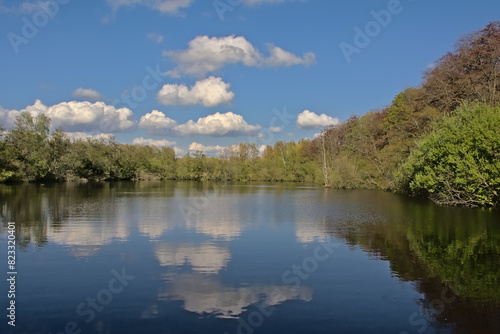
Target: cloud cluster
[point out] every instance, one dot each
(163, 6)
(79, 136)
(153, 142)
(209, 92)
(207, 55)
(156, 122)
(309, 120)
(218, 124)
(88, 94)
(78, 116)
(206, 148)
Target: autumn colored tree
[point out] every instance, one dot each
(471, 72)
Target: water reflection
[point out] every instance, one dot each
(206, 295)
(219, 249)
(445, 251)
(205, 258)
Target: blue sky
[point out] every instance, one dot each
(185, 74)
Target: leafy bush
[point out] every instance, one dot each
(459, 162)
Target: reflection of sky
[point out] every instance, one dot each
(227, 259)
(205, 294)
(205, 258)
(222, 220)
(217, 217)
(155, 216)
(154, 227)
(306, 212)
(92, 225)
(220, 217)
(306, 234)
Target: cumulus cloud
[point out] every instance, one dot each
(280, 57)
(78, 116)
(88, 94)
(79, 136)
(309, 120)
(218, 124)
(153, 142)
(163, 6)
(209, 92)
(275, 129)
(207, 55)
(7, 117)
(206, 148)
(156, 122)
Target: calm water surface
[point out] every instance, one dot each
(208, 258)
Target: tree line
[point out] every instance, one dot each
(440, 140)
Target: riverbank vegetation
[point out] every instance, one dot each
(440, 140)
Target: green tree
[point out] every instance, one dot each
(28, 146)
(6, 167)
(59, 146)
(459, 162)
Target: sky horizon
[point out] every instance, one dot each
(193, 74)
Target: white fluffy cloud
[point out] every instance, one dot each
(209, 92)
(218, 124)
(153, 142)
(309, 120)
(206, 148)
(77, 136)
(164, 6)
(206, 55)
(156, 122)
(7, 117)
(88, 94)
(78, 116)
(280, 57)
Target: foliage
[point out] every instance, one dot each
(459, 162)
(471, 72)
(453, 165)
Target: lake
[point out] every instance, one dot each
(187, 257)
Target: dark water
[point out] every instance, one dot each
(206, 258)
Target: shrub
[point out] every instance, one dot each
(459, 162)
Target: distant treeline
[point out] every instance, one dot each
(440, 140)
